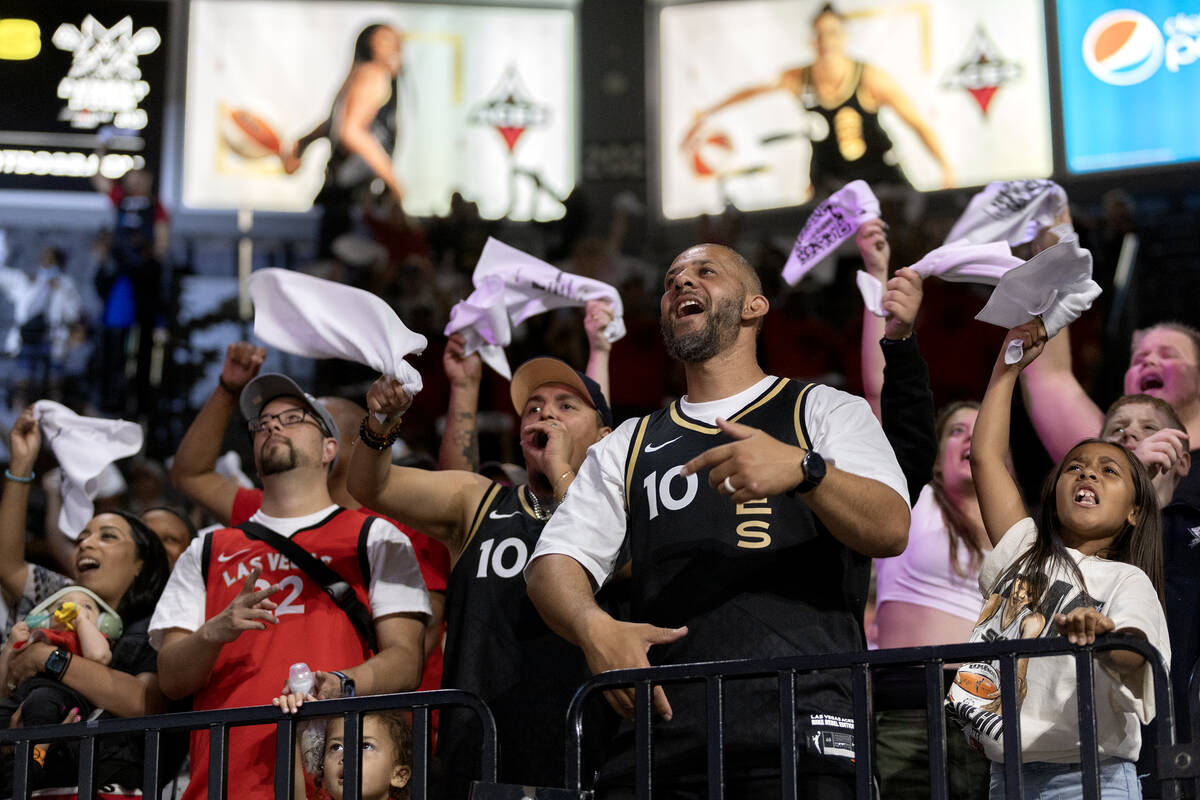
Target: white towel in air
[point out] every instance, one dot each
(512, 286)
(84, 446)
(959, 262)
(1009, 211)
(316, 318)
(832, 222)
(1055, 285)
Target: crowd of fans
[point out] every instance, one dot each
(434, 509)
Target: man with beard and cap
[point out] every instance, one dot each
(194, 472)
(227, 636)
(497, 646)
(751, 508)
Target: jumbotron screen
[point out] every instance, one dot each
(73, 75)
(1129, 82)
(768, 103)
(286, 99)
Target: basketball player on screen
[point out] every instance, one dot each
(362, 128)
(848, 95)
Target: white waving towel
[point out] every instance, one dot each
(832, 222)
(84, 446)
(1055, 285)
(1009, 211)
(312, 317)
(959, 262)
(512, 286)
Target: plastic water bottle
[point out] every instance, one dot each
(300, 679)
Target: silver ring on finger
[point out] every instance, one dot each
(727, 486)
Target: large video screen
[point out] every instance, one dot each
(285, 100)
(768, 103)
(74, 74)
(1130, 82)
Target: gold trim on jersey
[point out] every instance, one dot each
(677, 416)
(633, 454)
(488, 498)
(798, 418)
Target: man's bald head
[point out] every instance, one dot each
(749, 275)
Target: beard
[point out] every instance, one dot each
(272, 459)
(718, 333)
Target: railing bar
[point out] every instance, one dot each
(1088, 755)
(1014, 779)
(787, 733)
(491, 760)
(86, 787)
(574, 754)
(641, 723)
(421, 751)
(935, 729)
(218, 760)
(152, 755)
(20, 786)
(716, 737)
(352, 756)
(285, 757)
(864, 731)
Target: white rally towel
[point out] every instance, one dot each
(959, 262)
(512, 286)
(832, 222)
(316, 318)
(1010, 211)
(1055, 285)
(84, 446)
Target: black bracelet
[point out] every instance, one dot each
(234, 392)
(374, 441)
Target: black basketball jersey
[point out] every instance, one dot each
(750, 580)
(498, 647)
(857, 146)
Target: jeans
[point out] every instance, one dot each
(1047, 781)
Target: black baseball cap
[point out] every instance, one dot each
(268, 386)
(540, 371)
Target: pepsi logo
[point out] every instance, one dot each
(1123, 47)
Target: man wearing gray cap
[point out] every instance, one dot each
(227, 635)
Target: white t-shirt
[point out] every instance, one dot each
(1049, 717)
(396, 585)
(589, 526)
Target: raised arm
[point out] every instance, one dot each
(194, 471)
(439, 504)
(787, 79)
(876, 254)
(1061, 411)
(460, 441)
(887, 93)
(597, 314)
(999, 498)
(25, 441)
(368, 90)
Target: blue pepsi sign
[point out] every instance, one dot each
(1130, 82)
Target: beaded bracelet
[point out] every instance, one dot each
(221, 382)
(18, 479)
(374, 441)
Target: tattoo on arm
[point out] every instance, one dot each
(468, 439)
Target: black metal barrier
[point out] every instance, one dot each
(1175, 762)
(219, 722)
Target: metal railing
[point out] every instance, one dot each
(218, 723)
(1175, 762)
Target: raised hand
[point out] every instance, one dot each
(24, 442)
(547, 444)
(460, 369)
(1032, 336)
(901, 302)
(242, 363)
(597, 314)
(874, 248)
(387, 398)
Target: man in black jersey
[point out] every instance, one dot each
(746, 541)
(496, 643)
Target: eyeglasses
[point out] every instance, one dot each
(287, 418)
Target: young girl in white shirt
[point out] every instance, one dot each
(1091, 563)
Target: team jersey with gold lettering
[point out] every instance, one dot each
(758, 579)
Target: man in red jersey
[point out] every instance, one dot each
(227, 635)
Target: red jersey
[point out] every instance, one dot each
(253, 668)
(432, 557)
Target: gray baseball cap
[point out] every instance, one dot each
(268, 386)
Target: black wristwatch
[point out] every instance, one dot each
(814, 471)
(56, 664)
(347, 683)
